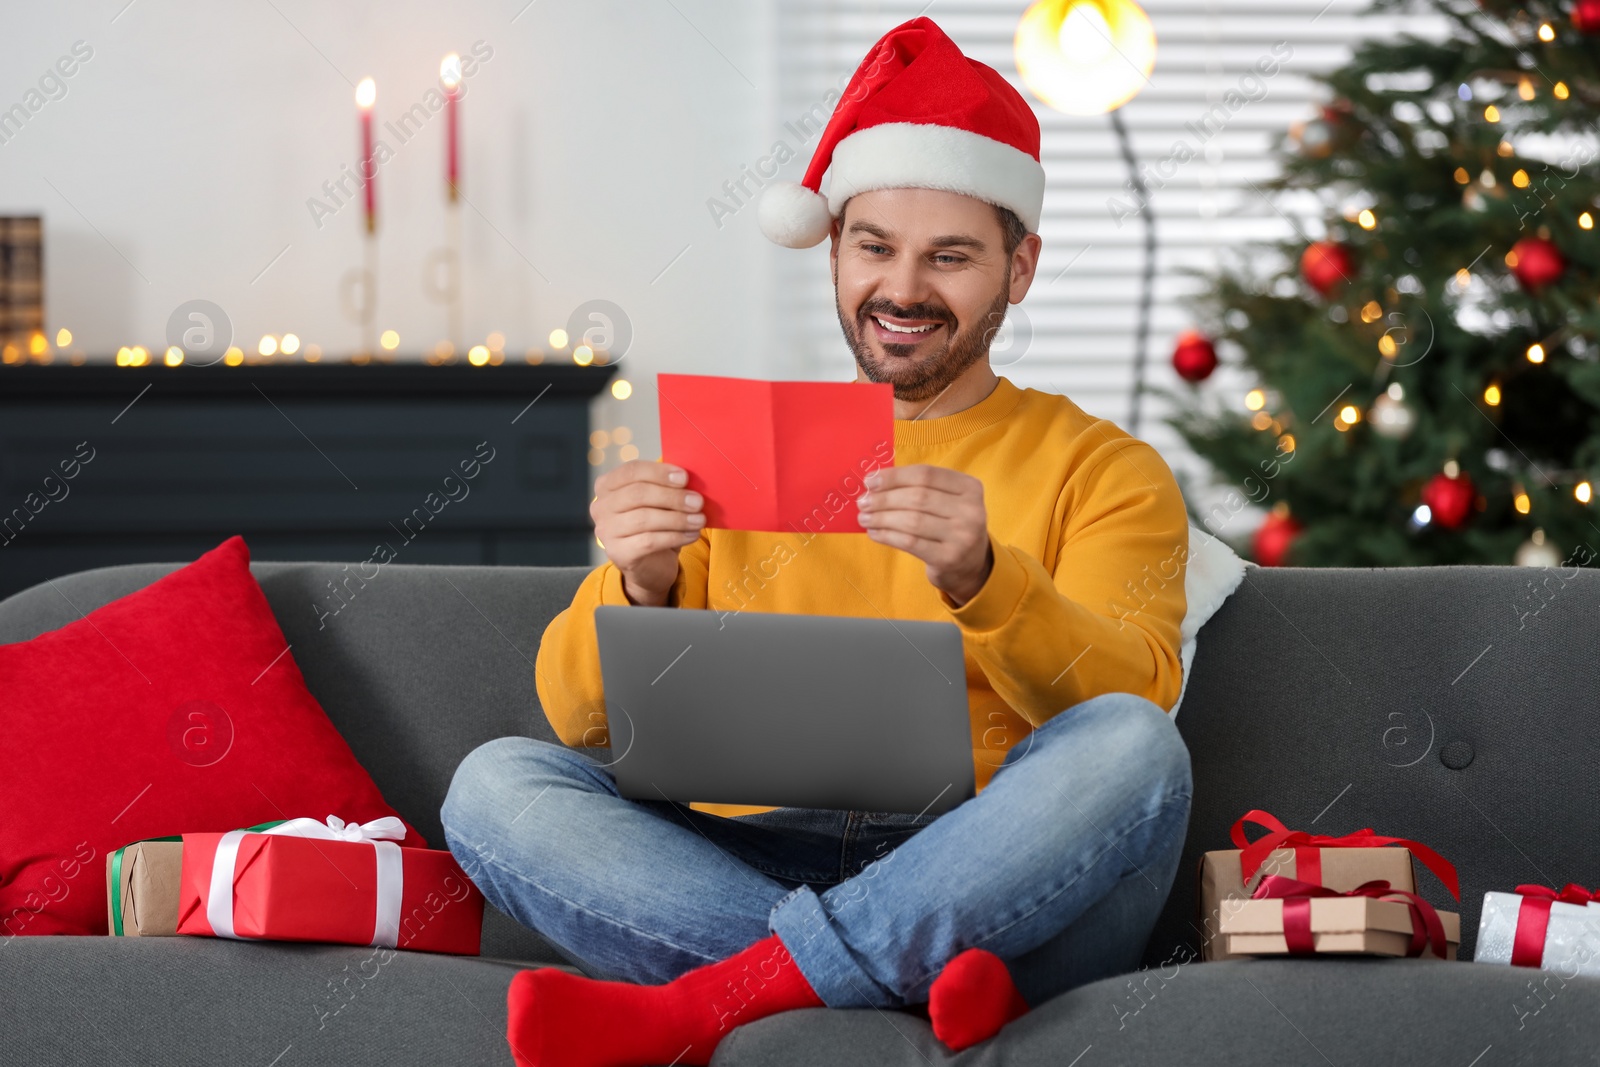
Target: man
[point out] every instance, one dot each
(1055, 542)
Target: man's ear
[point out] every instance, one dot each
(1024, 266)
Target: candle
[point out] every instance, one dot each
(366, 96)
(450, 78)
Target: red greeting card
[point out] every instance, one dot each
(777, 455)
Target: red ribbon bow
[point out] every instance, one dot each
(1427, 931)
(1308, 861)
(1533, 919)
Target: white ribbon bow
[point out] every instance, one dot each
(379, 833)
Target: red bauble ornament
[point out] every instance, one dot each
(1194, 358)
(1270, 546)
(1586, 16)
(1325, 264)
(1539, 262)
(1450, 499)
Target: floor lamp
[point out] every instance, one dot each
(1089, 57)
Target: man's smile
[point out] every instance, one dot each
(892, 330)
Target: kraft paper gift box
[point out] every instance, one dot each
(275, 886)
(1536, 927)
(1223, 890)
(142, 889)
(1339, 863)
(1339, 925)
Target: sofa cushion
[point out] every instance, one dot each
(177, 708)
(200, 1001)
(1313, 1012)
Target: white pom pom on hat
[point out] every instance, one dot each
(793, 216)
(917, 114)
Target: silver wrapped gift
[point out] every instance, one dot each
(1572, 938)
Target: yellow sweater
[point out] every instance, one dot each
(1086, 597)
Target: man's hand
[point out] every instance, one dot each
(642, 517)
(937, 515)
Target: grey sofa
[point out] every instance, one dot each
(1454, 706)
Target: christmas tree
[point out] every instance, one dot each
(1426, 347)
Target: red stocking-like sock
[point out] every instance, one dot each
(972, 998)
(557, 1019)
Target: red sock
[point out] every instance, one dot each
(557, 1019)
(972, 998)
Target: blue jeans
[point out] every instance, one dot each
(1059, 866)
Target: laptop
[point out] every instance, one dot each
(813, 711)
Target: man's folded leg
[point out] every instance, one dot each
(641, 891)
(1092, 801)
(632, 890)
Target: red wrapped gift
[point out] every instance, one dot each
(348, 884)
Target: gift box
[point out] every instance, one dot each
(1287, 917)
(1539, 927)
(297, 882)
(1228, 877)
(142, 888)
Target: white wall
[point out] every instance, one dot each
(180, 160)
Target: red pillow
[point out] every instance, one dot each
(177, 709)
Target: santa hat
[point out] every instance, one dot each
(917, 114)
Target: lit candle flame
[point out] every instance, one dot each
(450, 71)
(366, 94)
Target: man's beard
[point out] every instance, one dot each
(932, 374)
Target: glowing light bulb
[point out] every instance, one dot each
(1085, 57)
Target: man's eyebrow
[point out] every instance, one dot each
(949, 240)
(862, 226)
(954, 240)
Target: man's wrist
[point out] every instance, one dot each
(644, 598)
(957, 599)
